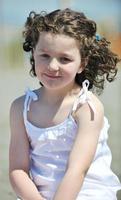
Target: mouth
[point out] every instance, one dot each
(51, 76)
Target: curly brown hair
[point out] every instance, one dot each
(102, 62)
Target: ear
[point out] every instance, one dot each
(84, 62)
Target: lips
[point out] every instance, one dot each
(51, 76)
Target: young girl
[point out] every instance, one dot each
(58, 148)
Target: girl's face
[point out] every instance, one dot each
(57, 60)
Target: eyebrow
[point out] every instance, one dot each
(41, 50)
(62, 54)
(66, 55)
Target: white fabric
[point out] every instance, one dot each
(83, 97)
(49, 152)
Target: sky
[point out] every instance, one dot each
(14, 12)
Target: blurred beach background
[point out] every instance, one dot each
(14, 69)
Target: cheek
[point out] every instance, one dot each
(39, 65)
(37, 61)
(72, 69)
(69, 73)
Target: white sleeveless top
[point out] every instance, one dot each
(50, 148)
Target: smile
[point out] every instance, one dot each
(51, 76)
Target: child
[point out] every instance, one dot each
(58, 148)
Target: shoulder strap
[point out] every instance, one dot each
(83, 97)
(29, 96)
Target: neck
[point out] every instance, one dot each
(53, 95)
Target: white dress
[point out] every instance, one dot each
(50, 148)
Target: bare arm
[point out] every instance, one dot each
(82, 153)
(19, 155)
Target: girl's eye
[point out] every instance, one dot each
(65, 60)
(44, 55)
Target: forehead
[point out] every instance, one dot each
(60, 42)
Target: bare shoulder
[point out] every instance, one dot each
(96, 102)
(86, 115)
(16, 113)
(17, 105)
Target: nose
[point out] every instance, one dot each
(53, 65)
